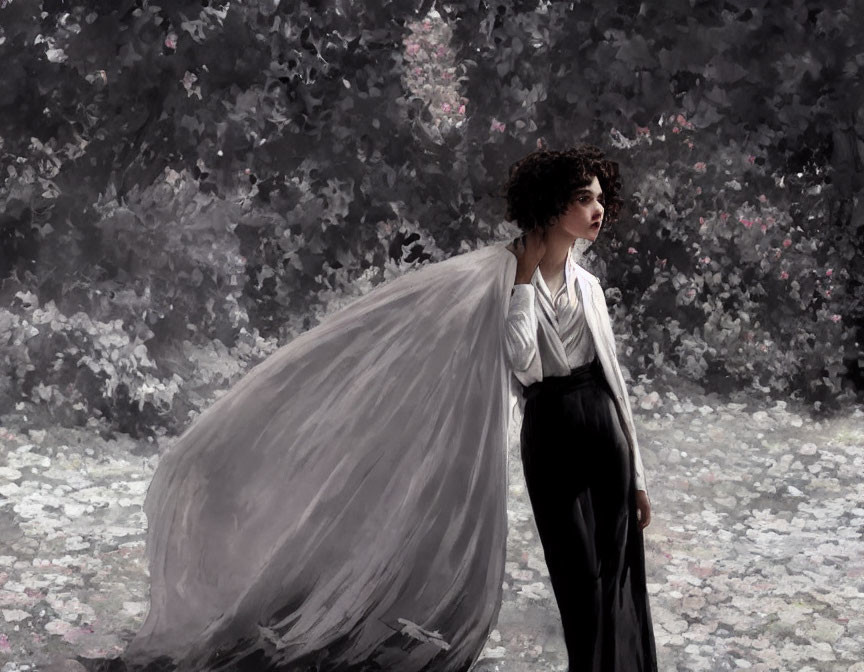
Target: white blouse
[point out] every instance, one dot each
(552, 327)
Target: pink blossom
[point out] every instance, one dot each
(829, 272)
(764, 228)
(171, 41)
(631, 250)
(784, 275)
(699, 167)
(724, 216)
(706, 260)
(787, 242)
(676, 130)
(690, 144)
(446, 107)
(498, 126)
(828, 292)
(836, 318)
(441, 50)
(417, 71)
(462, 109)
(701, 220)
(746, 222)
(539, 143)
(412, 48)
(751, 158)
(643, 130)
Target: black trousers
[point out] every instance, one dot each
(580, 477)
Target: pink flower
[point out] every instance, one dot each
(746, 222)
(441, 50)
(699, 167)
(701, 220)
(446, 107)
(828, 292)
(676, 130)
(498, 126)
(171, 41)
(539, 143)
(462, 109)
(417, 71)
(751, 158)
(784, 275)
(829, 272)
(643, 130)
(787, 243)
(764, 228)
(631, 250)
(412, 48)
(706, 260)
(724, 216)
(836, 318)
(681, 120)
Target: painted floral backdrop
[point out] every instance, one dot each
(187, 186)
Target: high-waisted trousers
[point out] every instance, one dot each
(581, 482)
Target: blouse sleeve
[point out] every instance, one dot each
(521, 328)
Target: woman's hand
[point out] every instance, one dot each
(528, 250)
(643, 507)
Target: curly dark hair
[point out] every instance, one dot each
(542, 185)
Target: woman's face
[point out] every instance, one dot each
(584, 217)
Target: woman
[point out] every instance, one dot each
(582, 465)
(343, 507)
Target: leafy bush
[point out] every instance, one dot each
(187, 187)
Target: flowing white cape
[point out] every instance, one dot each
(345, 502)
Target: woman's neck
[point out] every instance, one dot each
(557, 249)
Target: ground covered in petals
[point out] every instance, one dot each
(755, 552)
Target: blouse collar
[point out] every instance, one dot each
(571, 268)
